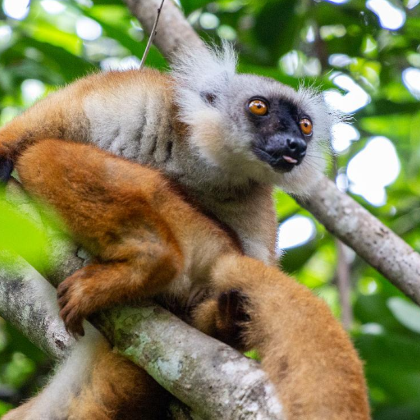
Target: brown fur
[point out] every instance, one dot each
(116, 390)
(138, 227)
(119, 390)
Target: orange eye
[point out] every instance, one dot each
(305, 125)
(258, 107)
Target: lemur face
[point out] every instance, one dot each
(251, 126)
(277, 133)
(265, 121)
(282, 131)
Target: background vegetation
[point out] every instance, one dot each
(364, 54)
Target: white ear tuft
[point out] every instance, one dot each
(204, 69)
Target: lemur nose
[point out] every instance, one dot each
(297, 145)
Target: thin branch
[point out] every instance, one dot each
(174, 30)
(152, 36)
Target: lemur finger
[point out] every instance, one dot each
(72, 320)
(63, 288)
(63, 299)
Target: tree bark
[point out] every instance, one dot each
(173, 31)
(216, 381)
(340, 214)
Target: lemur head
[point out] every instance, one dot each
(252, 127)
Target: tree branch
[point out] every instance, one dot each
(216, 381)
(28, 302)
(340, 214)
(205, 374)
(174, 30)
(344, 285)
(372, 240)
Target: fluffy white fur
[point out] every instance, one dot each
(220, 130)
(54, 400)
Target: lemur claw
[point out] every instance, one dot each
(70, 308)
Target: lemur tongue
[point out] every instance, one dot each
(289, 159)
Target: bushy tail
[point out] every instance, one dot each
(95, 383)
(304, 350)
(54, 401)
(119, 390)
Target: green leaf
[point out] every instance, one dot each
(392, 364)
(70, 66)
(406, 312)
(4, 408)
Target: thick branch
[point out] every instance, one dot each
(216, 381)
(27, 300)
(205, 374)
(341, 215)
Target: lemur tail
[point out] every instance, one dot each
(118, 390)
(95, 383)
(304, 350)
(53, 402)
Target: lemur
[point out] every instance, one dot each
(225, 137)
(148, 241)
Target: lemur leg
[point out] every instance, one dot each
(99, 286)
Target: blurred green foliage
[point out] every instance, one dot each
(314, 41)
(21, 235)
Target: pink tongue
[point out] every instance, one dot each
(289, 159)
